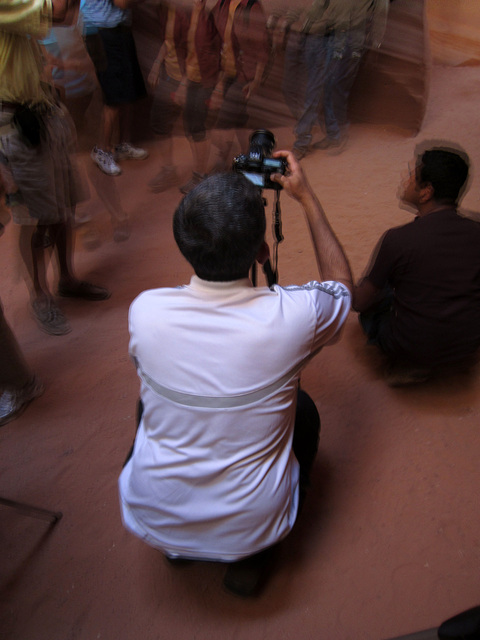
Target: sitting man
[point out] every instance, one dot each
(420, 299)
(226, 439)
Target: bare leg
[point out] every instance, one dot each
(200, 150)
(166, 151)
(223, 141)
(111, 118)
(125, 122)
(14, 371)
(69, 286)
(62, 237)
(32, 250)
(167, 175)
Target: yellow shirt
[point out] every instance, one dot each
(171, 61)
(20, 60)
(193, 68)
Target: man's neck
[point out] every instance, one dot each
(432, 206)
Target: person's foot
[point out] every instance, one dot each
(402, 376)
(49, 317)
(121, 232)
(245, 577)
(165, 179)
(13, 402)
(126, 151)
(334, 146)
(91, 239)
(105, 161)
(326, 143)
(299, 153)
(195, 180)
(82, 289)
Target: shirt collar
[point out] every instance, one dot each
(229, 285)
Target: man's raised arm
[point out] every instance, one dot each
(331, 259)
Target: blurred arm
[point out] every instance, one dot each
(331, 259)
(365, 295)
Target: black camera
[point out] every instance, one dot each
(258, 165)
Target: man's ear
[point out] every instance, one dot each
(263, 253)
(427, 193)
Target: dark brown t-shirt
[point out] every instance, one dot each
(433, 266)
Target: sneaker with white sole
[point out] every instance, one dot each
(105, 161)
(13, 402)
(50, 318)
(164, 179)
(127, 151)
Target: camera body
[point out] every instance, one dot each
(258, 165)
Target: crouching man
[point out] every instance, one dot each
(226, 439)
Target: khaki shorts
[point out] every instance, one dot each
(47, 176)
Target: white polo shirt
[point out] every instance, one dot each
(213, 474)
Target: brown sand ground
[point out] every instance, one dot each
(389, 541)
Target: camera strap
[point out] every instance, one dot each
(277, 235)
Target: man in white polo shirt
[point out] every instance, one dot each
(226, 439)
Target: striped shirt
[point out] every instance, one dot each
(102, 14)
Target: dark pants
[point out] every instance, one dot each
(376, 321)
(306, 436)
(294, 73)
(345, 53)
(316, 52)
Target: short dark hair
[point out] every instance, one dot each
(220, 225)
(446, 169)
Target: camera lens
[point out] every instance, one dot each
(262, 143)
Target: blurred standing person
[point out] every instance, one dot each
(312, 36)
(184, 74)
(71, 68)
(112, 47)
(73, 75)
(354, 25)
(165, 77)
(36, 148)
(18, 385)
(245, 49)
(294, 70)
(202, 71)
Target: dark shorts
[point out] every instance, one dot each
(196, 111)
(117, 66)
(165, 111)
(233, 113)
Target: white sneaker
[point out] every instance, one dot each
(104, 161)
(13, 402)
(127, 151)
